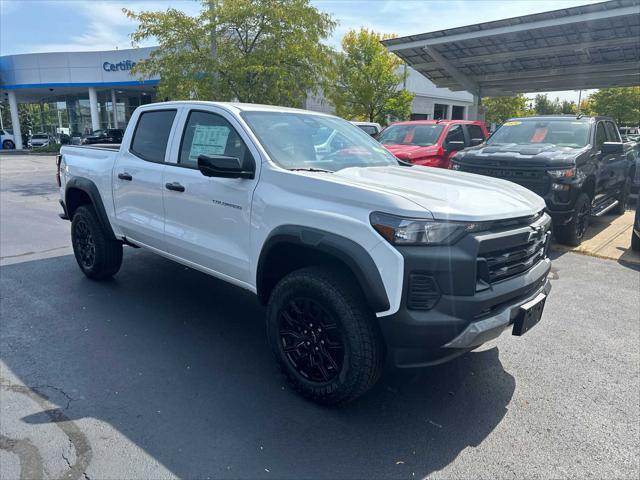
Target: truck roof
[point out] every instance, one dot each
(439, 122)
(569, 117)
(233, 106)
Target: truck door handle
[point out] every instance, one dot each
(175, 186)
(125, 176)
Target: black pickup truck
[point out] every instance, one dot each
(577, 164)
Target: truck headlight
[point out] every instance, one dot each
(417, 231)
(563, 173)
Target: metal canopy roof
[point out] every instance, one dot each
(591, 46)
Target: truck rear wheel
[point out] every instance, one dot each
(97, 255)
(573, 232)
(323, 335)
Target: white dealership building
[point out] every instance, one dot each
(78, 92)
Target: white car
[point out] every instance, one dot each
(372, 128)
(356, 256)
(38, 140)
(7, 139)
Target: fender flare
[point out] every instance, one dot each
(87, 186)
(352, 254)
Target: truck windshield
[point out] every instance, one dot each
(419, 135)
(564, 133)
(306, 141)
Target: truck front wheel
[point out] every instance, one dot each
(573, 232)
(97, 255)
(323, 335)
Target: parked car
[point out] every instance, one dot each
(577, 164)
(7, 139)
(355, 254)
(76, 138)
(431, 143)
(371, 128)
(40, 140)
(110, 135)
(635, 234)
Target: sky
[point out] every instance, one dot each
(30, 26)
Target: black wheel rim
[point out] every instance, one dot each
(312, 340)
(85, 246)
(582, 222)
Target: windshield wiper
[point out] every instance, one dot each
(310, 169)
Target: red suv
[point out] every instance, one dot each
(432, 143)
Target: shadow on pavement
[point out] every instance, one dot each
(178, 362)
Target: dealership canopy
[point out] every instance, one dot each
(591, 46)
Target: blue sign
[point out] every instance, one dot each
(120, 66)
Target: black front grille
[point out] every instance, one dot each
(502, 264)
(423, 293)
(535, 180)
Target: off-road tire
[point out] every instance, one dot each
(573, 232)
(98, 256)
(335, 291)
(623, 199)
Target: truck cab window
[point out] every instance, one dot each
(455, 134)
(612, 132)
(475, 132)
(152, 135)
(210, 134)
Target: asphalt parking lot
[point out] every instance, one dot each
(164, 372)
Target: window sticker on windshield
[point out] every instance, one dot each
(539, 135)
(208, 140)
(511, 124)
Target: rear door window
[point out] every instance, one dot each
(152, 135)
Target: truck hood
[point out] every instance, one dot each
(448, 194)
(411, 152)
(543, 154)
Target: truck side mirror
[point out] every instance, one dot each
(223, 166)
(609, 148)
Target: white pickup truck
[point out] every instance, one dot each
(358, 256)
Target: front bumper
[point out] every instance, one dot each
(468, 312)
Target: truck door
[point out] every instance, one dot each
(207, 219)
(605, 172)
(138, 179)
(619, 162)
(454, 134)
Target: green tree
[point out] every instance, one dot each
(622, 104)
(259, 51)
(543, 106)
(568, 107)
(366, 81)
(499, 109)
(587, 107)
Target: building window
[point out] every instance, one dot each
(440, 111)
(457, 112)
(419, 116)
